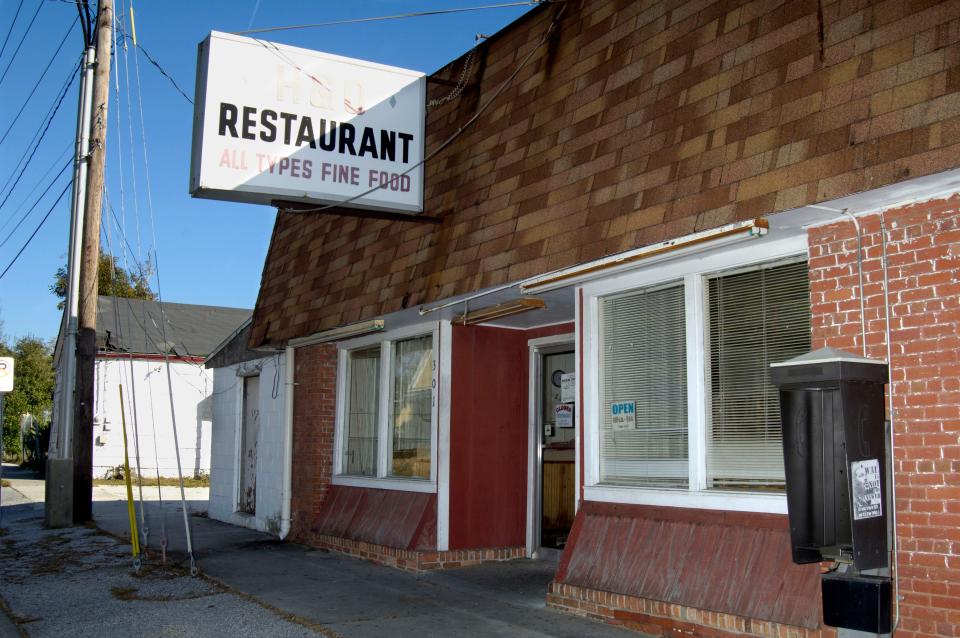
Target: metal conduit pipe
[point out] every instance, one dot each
(288, 376)
(893, 473)
(863, 317)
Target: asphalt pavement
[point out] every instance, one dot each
(251, 584)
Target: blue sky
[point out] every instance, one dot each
(208, 252)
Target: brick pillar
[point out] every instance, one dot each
(314, 415)
(924, 273)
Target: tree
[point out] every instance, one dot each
(33, 380)
(112, 280)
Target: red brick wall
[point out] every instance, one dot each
(924, 274)
(637, 121)
(314, 415)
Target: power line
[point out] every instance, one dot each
(399, 16)
(38, 81)
(163, 72)
(38, 184)
(10, 30)
(83, 11)
(37, 202)
(19, 44)
(159, 67)
(36, 230)
(38, 137)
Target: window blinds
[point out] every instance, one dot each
(643, 362)
(756, 318)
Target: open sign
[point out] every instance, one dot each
(6, 374)
(623, 415)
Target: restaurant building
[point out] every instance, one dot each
(632, 209)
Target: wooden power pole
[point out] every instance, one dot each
(87, 313)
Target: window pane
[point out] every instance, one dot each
(643, 389)
(757, 318)
(411, 414)
(360, 446)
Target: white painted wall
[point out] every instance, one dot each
(145, 386)
(224, 475)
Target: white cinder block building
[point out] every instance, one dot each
(248, 440)
(136, 341)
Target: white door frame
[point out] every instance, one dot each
(538, 347)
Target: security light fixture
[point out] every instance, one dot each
(340, 333)
(499, 311)
(654, 252)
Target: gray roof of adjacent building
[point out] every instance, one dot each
(141, 326)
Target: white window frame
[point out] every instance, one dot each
(383, 480)
(693, 271)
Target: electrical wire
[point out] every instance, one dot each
(503, 87)
(159, 67)
(35, 204)
(53, 165)
(10, 30)
(399, 16)
(85, 26)
(38, 81)
(37, 140)
(20, 44)
(35, 230)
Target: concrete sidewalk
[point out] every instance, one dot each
(343, 596)
(78, 582)
(322, 593)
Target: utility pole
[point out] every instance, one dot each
(58, 501)
(82, 438)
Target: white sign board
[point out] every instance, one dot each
(6, 374)
(568, 387)
(623, 415)
(274, 122)
(563, 415)
(867, 497)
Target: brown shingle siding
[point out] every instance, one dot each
(637, 121)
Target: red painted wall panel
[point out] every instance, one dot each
(488, 438)
(488, 435)
(405, 520)
(728, 562)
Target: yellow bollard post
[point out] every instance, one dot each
(134, 536)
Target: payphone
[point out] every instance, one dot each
(835, 459)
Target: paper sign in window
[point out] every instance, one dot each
(623, 415)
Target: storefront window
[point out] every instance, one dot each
(360, 446)
(643, 389)
(386, 410)
(757, 317)
(410, 419)
(680, 410)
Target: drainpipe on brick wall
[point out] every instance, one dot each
(288, 374)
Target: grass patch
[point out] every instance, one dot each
(203, 481)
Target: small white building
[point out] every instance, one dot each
(248, 440)
(156, 355)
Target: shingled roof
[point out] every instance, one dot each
(135, 326)
(633, 122)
